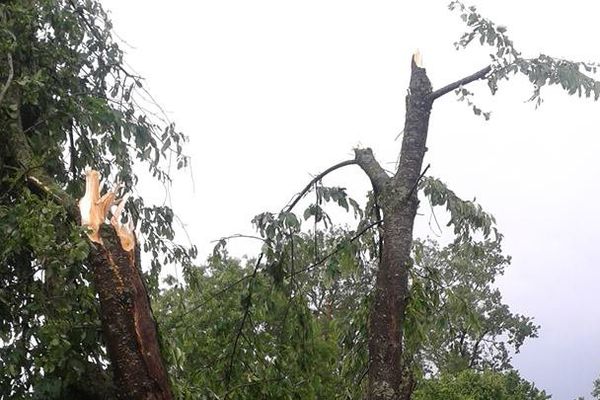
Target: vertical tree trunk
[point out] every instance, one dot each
(397, 197)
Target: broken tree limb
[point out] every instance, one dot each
(124, 230)
(127, 322)
(94, 209)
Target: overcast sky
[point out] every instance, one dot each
(271, 92)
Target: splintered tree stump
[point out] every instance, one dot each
(128, 325)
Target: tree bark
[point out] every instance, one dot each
(397, 197)
(389, 379)
(127, 323)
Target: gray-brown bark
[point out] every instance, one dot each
(399, 203)
(397, 197)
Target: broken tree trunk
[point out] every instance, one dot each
(128, 326)
(127, 322)
(397, 198)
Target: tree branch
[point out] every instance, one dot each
(242, 323)
(337, 249)
(464, 81)
(316, 179)
(238, 236)
(417, 182)
(9, 79)
(37, 186)
(365, 159)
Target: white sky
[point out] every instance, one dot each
(273, 91)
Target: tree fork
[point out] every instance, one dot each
(388, 377)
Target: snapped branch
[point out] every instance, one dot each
(461, 82)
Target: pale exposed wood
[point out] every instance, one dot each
(124, 230)
(94, 209)
(418, 59)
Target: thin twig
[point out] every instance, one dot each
(435, 219)
(362, 376)
(238, 236)
(417, 182)
(337, 249)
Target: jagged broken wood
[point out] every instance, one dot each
(127, 322)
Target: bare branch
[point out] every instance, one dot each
(417, 182)
(36, 185)
(316, 179)
(461, 82)
(238, 236)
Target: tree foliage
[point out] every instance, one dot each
(473, 385)
(295, 323)
(67, 102)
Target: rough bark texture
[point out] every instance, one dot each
(127, 322)
(397, 197)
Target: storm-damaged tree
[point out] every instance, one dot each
(397, 197)
(391, 354)
(67, 102)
